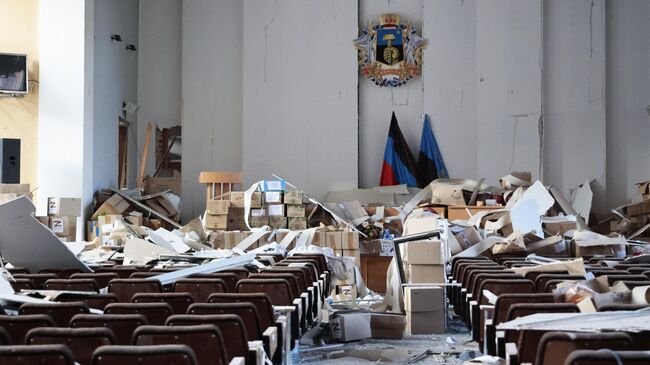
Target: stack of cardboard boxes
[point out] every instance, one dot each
(425, 310)
(63, 214)
(423, 261)
(344, 243)
(227, 212)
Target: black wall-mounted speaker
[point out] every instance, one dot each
(9, 161)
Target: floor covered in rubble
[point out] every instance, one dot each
(453, 347)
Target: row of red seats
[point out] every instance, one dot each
(247, 309)
(520, 295)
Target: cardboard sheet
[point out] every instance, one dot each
(25, 242)
(574, 267)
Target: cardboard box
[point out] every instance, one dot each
(293, 197)
(119, 203)
(425, 323)
(71, 238)
(216, 221)
(5, 197)
(273, 197)
(424, 298)
(154, 185)
(423, 252)
(92, 230)
(274, 185)
(64, 207)
(387, 326)
(236, 220)
(275, 210)
(277, 222)
(350, 240)
(217, 206)
(601, 250)
(459, 212)
(333, 240)
(258, 222)
(236, 199)
(18, 189)
(350, 326)
(256, 199)
(320, 239)
(45, 220)
(468, 237)
(353, 253)
(135, 218)
(217, 239)
(64, 226)
(258, 212)
(108, 219)
(560, 228)
(231, 239)
(295, 211)
(297, 224)
(423, 274)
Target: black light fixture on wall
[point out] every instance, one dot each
(116, 38)
(131, 47)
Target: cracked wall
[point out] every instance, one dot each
(300, 93)
(574, 100)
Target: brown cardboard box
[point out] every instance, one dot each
(350, 240)
(639, 208)
(275, 210)
(64, 226)
(273, 197)
(297, 224)
(68, 238)
(64, 207)
(108, 219)
(293, 197)
(236, 199)
(92, 230)
(604, 250)
(231, 239)
(256, 199)
(320, 239)
(135, 218)
(468, 237)
(424, 298)
(333, 240)
(353, 253)
(423, 274)
(277, 222)
(387, 325)
(459, 212)
(45, 220)
(559, 227)
(18, 189)
(117, 202)
(216, 221)
(424, 323)
(217, 206)
(217, 238)
(258, 222)
(423, 252)
(236, 220)
(296, 211)
(258, 212)
(157, 184)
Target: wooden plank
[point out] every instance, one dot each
(207, 177)
(143, 158)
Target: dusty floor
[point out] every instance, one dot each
(444, 349)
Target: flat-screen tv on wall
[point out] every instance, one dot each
(13, 73)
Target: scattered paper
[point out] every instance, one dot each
(582, 201)
(139, 252)
(168, 240)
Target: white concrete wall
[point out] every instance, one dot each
(449, 82)
(574, 99)
(377, 103)
(116, 82)
(159, 70)
(212, 94)
(628, 97)
(508, 56)
(300, 93)
(65, 129)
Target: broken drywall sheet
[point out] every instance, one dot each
(582, 201)
(538, 193)
(139, 252)
(25, 242)
(168, 240)
(525, 218)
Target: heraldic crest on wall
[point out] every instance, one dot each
(390, 53)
